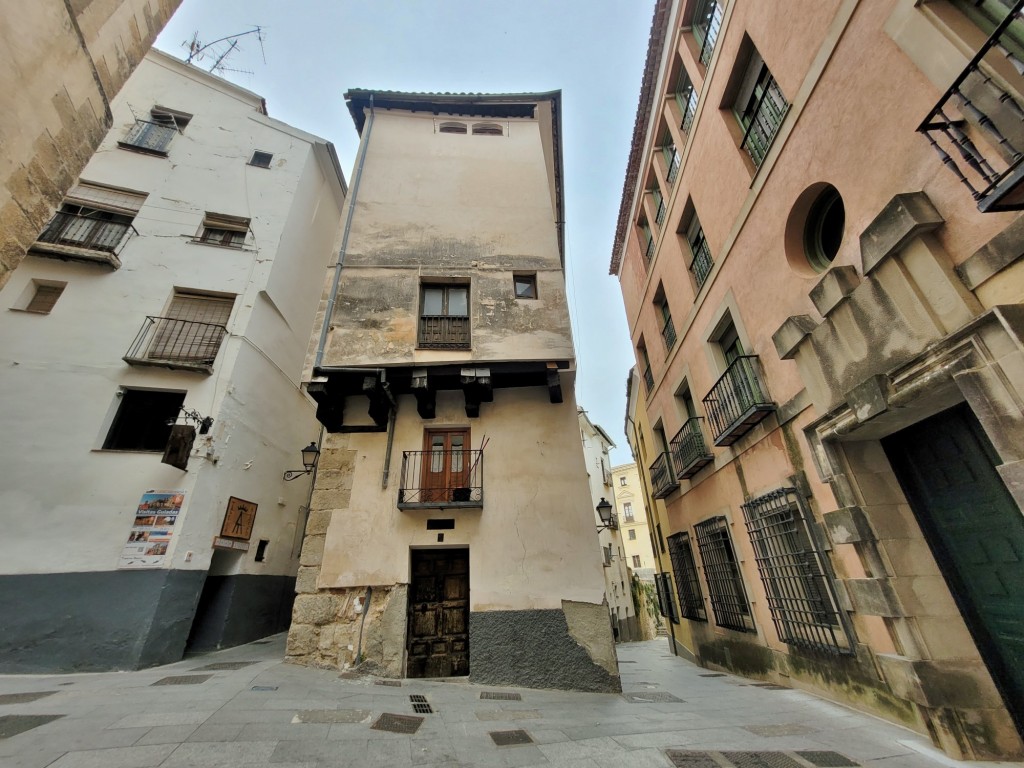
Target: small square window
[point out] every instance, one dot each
(218, 229)
(261, 159)
(144, 419)
(526, 286)
(44, 296)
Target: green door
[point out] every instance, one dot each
(945, 465)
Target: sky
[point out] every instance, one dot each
(593, 50)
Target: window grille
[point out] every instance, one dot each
(220, 229)
(444, 317)
(722, 573)
(691, 601)
(686, 98)
(760, 109)
(702, 262)
(800, 594)
(666, 606)
(707, 23)
(673, 160)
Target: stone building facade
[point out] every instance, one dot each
(451, 527)
(631, 506)
(61, 64)
(819, 249)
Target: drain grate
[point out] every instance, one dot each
(25, 698)
(182, 680)
(12, 725)
(713, 674)
(761, 760)
(769, 686)
(263, 688)
(510, 738)
(686, 759)
(420, 705)
(500, 696)
(224, 665)
(826, 759)
(397, 723)
(649, 697)
(391, 683)
(782, 729)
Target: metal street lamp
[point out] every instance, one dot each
(310, 456)
(604, 511)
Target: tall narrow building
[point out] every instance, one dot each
(451, 529)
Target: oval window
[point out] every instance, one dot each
(823, 230)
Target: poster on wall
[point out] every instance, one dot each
(150, 536)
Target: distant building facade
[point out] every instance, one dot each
(452, 529)
(637, 538)
(819, 250)
(62, 64)
(153, 345)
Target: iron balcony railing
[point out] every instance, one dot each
(659, 215)
(444, 332)
(86, 232)
(763, 122)
(649, 249)
(707, 23)
(690, 453)
(668, 333)
(173, 343)
(149, 136)
(442, 479)
(687, 99)
(737, 401)
(985, 100)
(673, 160)
(649, 379)
(702, 262)
(663, 479)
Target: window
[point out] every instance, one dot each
(691, 601)
(636, 558)
(759, 107)
(261, 550)
(221, 229)
(800, 596)
(658, 202)
(632, 534)
(143, 420)
(707, 23)
(622, 480)
(666, 604)
(645, 365)
(190, 333)
(452, 127)
(445, 468)
(43, 297)
(989, 14)
(686, 98)
(823, 231)
(627, 511)
(668, 329)
(154, 135)
(525, 286)
(261, 159)
(700, 254)
(646, 240)
(92, 218)
(444, 317)
(721, 571)
(487, 129)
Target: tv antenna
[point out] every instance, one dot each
(220, 49)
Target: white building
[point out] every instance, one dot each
(177, 285)
(618, 590)
(636, 533)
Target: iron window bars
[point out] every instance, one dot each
(686, 98)
(707, 23)
(672, 162)
(737, 401)
(691, 601)
(701, 263)
(647, 373)
(800, 594)
(455, 479)
(668, 328)
(690, 453)
(663, 481)
(666, 606)
(91, 230)
(984, 104)
(171, 342)
(761, 115)
(660, 209)
(722, 574)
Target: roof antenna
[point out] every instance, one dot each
(218, 51)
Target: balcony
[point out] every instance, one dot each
(659, 215)
(663, 480)
(83, 238)
(649, 250)
(668, 333)
(648, 379)
(707, 23)
(166, 342)
(436, 479)
(738, 401)
(985, 101)
(702, 262)
(444, 332)
(689, 452)
(673, 161)
(147, 136)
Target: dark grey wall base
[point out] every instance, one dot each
(90, 622)
(238, 609)
(532, 649)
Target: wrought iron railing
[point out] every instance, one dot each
(648, 379)
(687, 99)
(167, 341)
(707, 23)
(659, 214)
(434, 479)
(737, 401)
(689, 452)
(86, 232)
(673, 160)
(668, 333)
(796, 581)
(149, 136)
(649, 249)
(666, 605)
(691, 601)
(702, 262)
(763, 122)
(663, 479)
(722, 574)
(444, 332)
(978, 103)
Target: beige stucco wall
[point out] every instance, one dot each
(631, 491)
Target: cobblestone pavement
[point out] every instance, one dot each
(244, 707)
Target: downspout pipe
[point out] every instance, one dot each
(353, 196)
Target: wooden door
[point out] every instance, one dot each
(946, 467)
(445, 465)
(438, 632)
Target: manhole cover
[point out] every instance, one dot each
(12, 725)
(420, 705)
(761, 760)
(649, 697)
(183, 680)
(25, 698)
(510, 738)
(397, 723)
(686, 759)
(713, 674)
(391, 683)
(783, 729)
(331, 716)
(264, 688)
(224, 665)
(770, 686)
(826, 759)
(499, 696)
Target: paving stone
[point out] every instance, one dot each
(12, 725)
(118, 757)
(216, 732)
(509, 714)
(234, 754)
(166, 734)
(24, 698)
(154, 719)
(332, 716)
(784, 729)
